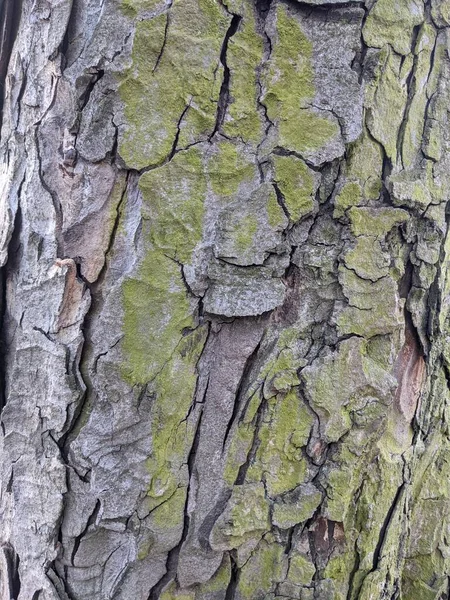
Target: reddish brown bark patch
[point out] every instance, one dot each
(409, 371)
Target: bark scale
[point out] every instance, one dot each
(225, 298)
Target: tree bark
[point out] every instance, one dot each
(225, 300)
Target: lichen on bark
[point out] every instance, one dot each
(224, 334)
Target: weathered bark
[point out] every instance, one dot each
(225, 298)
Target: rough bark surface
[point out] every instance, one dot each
(225, 338)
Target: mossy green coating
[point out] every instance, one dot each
(301, 570)
(241, 440)
(159, 87)
(174, 198)
(172, 225)
(244, 233)
(275, 214)
(228, 167)
(245, 517)
(298, 184)
(285, 431)
(374, 307)
(157, 288)
(368, 259)
(363, 171)
(171, 592)
(375, 222)
(289, 80)
(365, 164)
(382, 480)
(392, 22)
(265, 567)
(418, 188)
(171, 512)
(277, 374)
(244, 57)
(133, 7)
(216, 587)
(174, 387)
(161, 345)
(386, 98)
(297, 507)
(248, 231)
(350, 195)
(428, 563)
(414, 128)
(337, 387)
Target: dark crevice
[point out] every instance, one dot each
(234, 580)
(86, 360)
(411, 93)
(385, 527)
(86, 95)
(173, 555)
(64, 46)
(59, 582)
(55, 200)
(91, 521)
(177, 135)
(166, 31)
(240, 479)
(281, 200)
(11, 578)
(262, 8)
(241, 389)
(353, 572)
(11, 264)
(224, 94)
(10, 13)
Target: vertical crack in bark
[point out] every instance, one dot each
(281, 200)
(55, 200)
(242, 388)
(64, 46)
(173, 555)
(86, 355)
(240, 479)
(91, 521)
(166, 31)
(385, 527)
(9, 566)
(86, 95)
(10, 13)
(230, 593)
(224, 94)
(177, 135)
(411, 91)
(13, 256)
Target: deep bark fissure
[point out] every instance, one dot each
(224, 94)
(241, 391)
(385, 527)
(230, 593)
(174, 553)
(411, 93)
(90, 521)
(87, 359)
(10, 13)
(86, 95)
(166, 32)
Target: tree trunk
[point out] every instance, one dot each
(225, 300)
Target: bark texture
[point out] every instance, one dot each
(225, 335)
